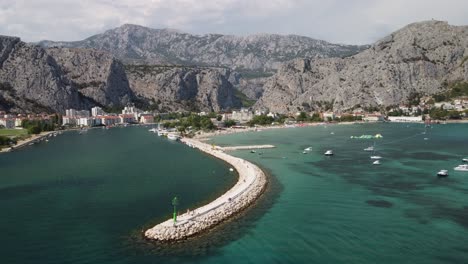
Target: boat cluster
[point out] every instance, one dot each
(462, 167)
(170, 134)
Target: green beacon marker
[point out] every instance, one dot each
(175, 202)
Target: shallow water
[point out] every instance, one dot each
(85, 198)
(343, 209)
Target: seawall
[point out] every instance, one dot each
(250, 185)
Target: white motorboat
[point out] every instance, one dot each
(304, 152)
(463, 167)
(328, 153)
(442, 173)
(173, 137)
(154, 130)
(377, 162)
(162, 133)
(253, 151)
(376, 157)
(308, 149)
(465, 160)
(371, 148)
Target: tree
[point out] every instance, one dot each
(229, 123)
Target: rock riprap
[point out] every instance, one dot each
(248, 188)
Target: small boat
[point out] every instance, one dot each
(154, 130)
(463, 167)
(328, 153)
(377, 162)
(252, 151)
(231, 169)
(173, 137)
(308, 149)
(376, 157)
(332, 133)
(371, 148)
(304, 152)
(442, 173)
(465, 160)
(426, 138)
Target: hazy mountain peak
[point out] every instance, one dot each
(133, 43)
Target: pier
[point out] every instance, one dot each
(248, 188)
(246, 147)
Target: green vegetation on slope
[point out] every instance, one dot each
(246, 102)
(456, 89)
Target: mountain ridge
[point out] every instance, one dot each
(420, 58)
(260, 52)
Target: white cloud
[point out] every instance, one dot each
(353, 21)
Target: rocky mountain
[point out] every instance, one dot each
(34, 79)
(170, 88)
(95, 74)
(262, 52)
(422, 58)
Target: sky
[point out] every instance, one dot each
(337, 21)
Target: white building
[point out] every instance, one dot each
(146, 118)
(97, 111)
(405, 118)
(67, 120)
(7, 122)
(328, 115)
(127, 118)
(77, 113)
(373, 118)
(244, 115)
(85, 121)
(110, 120)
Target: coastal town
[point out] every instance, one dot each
(16, 127)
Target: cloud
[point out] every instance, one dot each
(353, 21)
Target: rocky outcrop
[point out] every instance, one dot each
(420, 58)
(32, 81)
(95, 74)
(172, 88)
(262, 52)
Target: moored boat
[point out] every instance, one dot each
(376, 157)
(328, 153)
(463, 167)
(377, 162)
(174, 137)
(442, 173)
(371, 148)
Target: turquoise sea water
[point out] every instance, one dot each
(84, 198)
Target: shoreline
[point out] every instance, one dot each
(27, 141)
(250, 185)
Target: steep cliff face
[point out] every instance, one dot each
(32, 81)
(183, 88)
(264, 52)
(421, 57)
(95, 74)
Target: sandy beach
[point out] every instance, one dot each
(249, 187)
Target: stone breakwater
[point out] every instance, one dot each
(251, 183)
